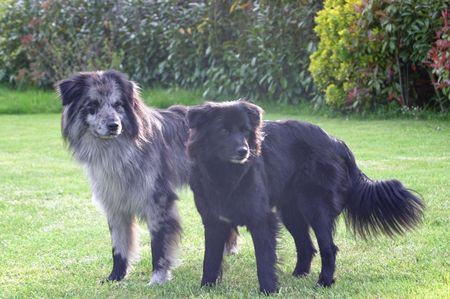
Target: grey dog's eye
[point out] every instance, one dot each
(117, 105)
(92, 107)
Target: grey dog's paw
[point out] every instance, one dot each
(160, 277)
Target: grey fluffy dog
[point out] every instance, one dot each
(134, 157)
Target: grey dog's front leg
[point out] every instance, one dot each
(124, 243)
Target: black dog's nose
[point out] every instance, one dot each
(242, 151)
(113, 126)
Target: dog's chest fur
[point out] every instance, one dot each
(122, 177)
(232, 195)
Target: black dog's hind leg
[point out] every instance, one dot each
(323, 226)
(124, 243)
(298, 227)
(216, 234)
(164, 225)
(264, 241)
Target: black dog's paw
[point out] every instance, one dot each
(325, 281)
(208, 284)
(269, 290)
(268, 287)
(300, 273)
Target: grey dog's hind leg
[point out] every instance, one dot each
(233, 243)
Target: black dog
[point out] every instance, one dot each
(310, 178)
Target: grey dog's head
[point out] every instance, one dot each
(104, 104)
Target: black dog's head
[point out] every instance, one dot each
(104, 104)
(228, 131)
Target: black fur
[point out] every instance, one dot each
(119, 270)
(309, 176)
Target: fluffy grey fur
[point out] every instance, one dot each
(134, 157)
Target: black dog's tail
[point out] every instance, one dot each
(379, 207)
(386, 207)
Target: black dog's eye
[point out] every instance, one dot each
(245, 131)
(92, 107)
(225, 131)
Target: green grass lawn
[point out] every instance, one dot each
(54, 243)
(32, 101)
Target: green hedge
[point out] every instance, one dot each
(374, 52)
(253, 49)
(364, 53)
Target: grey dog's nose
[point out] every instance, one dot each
(242, 151)
(113, 126)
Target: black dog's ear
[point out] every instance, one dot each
(254, 112)
(198, 115)
(71, 89)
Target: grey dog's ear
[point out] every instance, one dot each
(198, 115)
(254, 112)
(71, 89)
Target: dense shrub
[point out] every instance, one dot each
(373, 52)
(439, 62)
(160, 42)
(56, 38)
(333, 65)
(262, 50)
(230, 48)
(13, 57)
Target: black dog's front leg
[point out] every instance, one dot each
(264, 240)
(216, 234)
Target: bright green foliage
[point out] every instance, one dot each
(373, 52)
(334, 96)
(333, 63)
